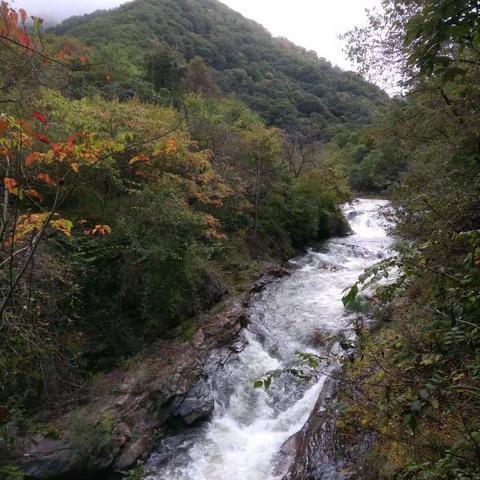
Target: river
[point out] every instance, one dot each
(293, 314)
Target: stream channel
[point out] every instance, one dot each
(292, 314)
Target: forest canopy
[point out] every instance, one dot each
(288, 86)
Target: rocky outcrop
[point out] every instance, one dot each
(128, 409)
(309, 454)
(269, 276)
(198, 403)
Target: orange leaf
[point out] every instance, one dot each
(57, 148)
(10, 183)
(44, 177)
(40, 117)
(14, 16)
(138, 158)
(27, 126)
(34, 195)
(171, 146)
(32, 158)
(99, 230)
(75, 167)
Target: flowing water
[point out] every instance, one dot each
(292, 314)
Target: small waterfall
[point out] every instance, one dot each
(292, 314)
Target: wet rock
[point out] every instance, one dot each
(198, 404)
(285, 457)
(169, 447)
(277, 272)
(268, 277)
(309, 453)
(132, 453)
(238, 346)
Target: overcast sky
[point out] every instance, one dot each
(313, 24)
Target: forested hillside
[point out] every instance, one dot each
(291, 88)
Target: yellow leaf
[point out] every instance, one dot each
(62, 225)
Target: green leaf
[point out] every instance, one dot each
(410, 419)
(451, 73)
(37, 23)
(351, 296)
(18, 192)
(424, 394)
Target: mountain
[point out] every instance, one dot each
(290, 87)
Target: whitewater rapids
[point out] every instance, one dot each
(292, 314)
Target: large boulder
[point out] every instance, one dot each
(198, 403)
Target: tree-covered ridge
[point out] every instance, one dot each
(123, 217)
(290, 87)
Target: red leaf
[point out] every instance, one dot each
(40, 117)
(71, 141)
(44, 177)
(23, 39)
(43, 138)
(23, 14)
(34, 195)
(3, 127)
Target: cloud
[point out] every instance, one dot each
(57, 10)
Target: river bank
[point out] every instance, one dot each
(129, 408)
(192, 399)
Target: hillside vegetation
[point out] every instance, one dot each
(137, 193)
(289, 87)
(413, 391)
